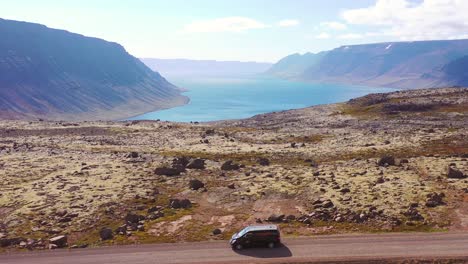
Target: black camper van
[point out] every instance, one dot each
(256, 236)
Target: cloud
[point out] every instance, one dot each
(408, 20)
(350, 36)
(334, 25)
(288, 23)
(323, 36)
(224, 24)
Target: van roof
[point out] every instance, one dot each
(262, 227)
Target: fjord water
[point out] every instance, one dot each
(216, 98)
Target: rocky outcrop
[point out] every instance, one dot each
(230, 166)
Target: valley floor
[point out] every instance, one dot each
(381, 163)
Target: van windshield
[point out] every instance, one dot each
(242, 232)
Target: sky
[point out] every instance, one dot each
(245, 30)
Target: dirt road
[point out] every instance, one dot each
(359, 248)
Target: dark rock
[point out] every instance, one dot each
(217, 231)
(403, 161)
(413, 214)
(229, 166)
(198, 164)
(380, 180)
(133, 155)
(264, 161)
(168, 171)
(196, 184)
(210, 132)
(155, 215)
(177, 204)
(275, 218)
(328, 204)
(7, 242)
(106, 233)
(345, 190)
(453, 173)
(180, 163)
(435, 199)
(291, 217)
(386, 160)
(134, 218)
(231, 186)
(121, 230)
(59, 241)
(185, 203)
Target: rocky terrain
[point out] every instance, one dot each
(381, 163)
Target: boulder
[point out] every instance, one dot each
(166, 171)
(345, 190)
(106, 233)
(435, 199)
(380, 180)
(177, 204)
(133, 155)
(231, 186)
(134, 218)
(7, 242)
(328, 204)
(413, 214)
(180, 162)
(264, 161)
(275, 218)
(197, 164)
(217, 231)
(185, 203)
(386, 160)
(229, 166)
(121, 230)
(196, 184)
(59, 241)
(453, 173)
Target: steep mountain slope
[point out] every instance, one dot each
(208, 68)
(396, 64)
(56, 74)
(457, 71)
(295, 64)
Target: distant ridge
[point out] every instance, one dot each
(54, 74)
(418, 64)
(209, 68)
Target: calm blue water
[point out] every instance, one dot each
(232, 98)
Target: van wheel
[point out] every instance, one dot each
(238, 246)
(271, 245)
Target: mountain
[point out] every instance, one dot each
(295, 64)
(206, 68)
(456, 71)
(419, 64)
(54, 74)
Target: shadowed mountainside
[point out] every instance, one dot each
(419, 64)
(55, 74)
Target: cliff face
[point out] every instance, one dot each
(295, 64)
(55, 74)
(417, 64)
